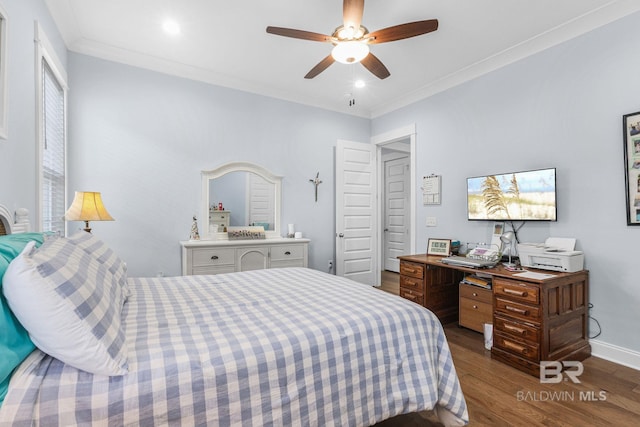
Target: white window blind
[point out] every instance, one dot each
(53, 152)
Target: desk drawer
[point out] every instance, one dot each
(513, 289)
(474, 314)
(411, 270)
(213, 257)
(527, 350)
(522, 311)
(412, 283)
(512, 328)
(411, 295)
(476, 293)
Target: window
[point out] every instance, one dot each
(53, 152)
(3, 73)
(52, 135)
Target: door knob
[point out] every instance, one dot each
(341, 235)
(386, 229)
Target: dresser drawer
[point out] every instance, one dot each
(286, 252)
(476, 293)
(527, 350)
(412, 283)
(213, 257)
(411, 270)
(512, 289)
(522, 311)
(473, 314)
(516, 329)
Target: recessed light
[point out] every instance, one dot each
(171, 27)
(359, 84)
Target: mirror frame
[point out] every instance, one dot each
(208, 175)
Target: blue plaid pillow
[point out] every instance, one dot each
(105, 256)
(70, 304)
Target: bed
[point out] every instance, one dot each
(289, 346)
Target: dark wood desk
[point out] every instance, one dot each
(534, 320)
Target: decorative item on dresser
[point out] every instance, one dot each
(227, 256)
(536, 316)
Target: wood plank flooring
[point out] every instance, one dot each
(497, 395)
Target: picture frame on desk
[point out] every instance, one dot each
(631, 131)
(441, 247)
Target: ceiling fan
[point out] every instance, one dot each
(351, 40)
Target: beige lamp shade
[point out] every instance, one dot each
(87, 206)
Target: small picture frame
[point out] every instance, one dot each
(631, 129)
(441, 247)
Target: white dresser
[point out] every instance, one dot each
(227, 256)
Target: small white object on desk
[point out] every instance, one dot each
(298, 235)
(534, 275)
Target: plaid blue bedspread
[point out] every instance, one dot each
(280, 347)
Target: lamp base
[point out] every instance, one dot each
(86, 227)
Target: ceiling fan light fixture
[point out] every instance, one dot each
(350, 52)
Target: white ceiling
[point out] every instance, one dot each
(225, 42)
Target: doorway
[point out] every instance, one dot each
(395, 234)
(399, 143)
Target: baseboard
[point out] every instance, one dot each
(614, 353)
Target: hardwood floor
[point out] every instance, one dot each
(497, 395)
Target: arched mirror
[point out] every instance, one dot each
(248, 194)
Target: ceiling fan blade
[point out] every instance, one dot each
(298, 34)
(352, 13)
(403, 31)
(320, 67)
(373, 64)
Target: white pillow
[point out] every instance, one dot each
(70, 304)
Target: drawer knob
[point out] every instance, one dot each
(287, 253)
(475, 306)
(511, 328)
(517, 310)
(214, 257)
(475, 294)
(516, 347)
(522, 294)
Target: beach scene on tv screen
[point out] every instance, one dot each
(515, 196)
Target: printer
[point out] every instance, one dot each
(556, 253)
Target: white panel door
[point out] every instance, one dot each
(396, 205)
(356, 212)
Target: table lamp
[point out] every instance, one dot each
(507, 238)
(87, 206)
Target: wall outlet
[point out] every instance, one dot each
(431, 221)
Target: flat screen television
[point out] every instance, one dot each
(515, 196)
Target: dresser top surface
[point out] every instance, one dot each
(248, 242)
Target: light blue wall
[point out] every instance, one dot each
(142, 138)
(18, 152)
(561, 108)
